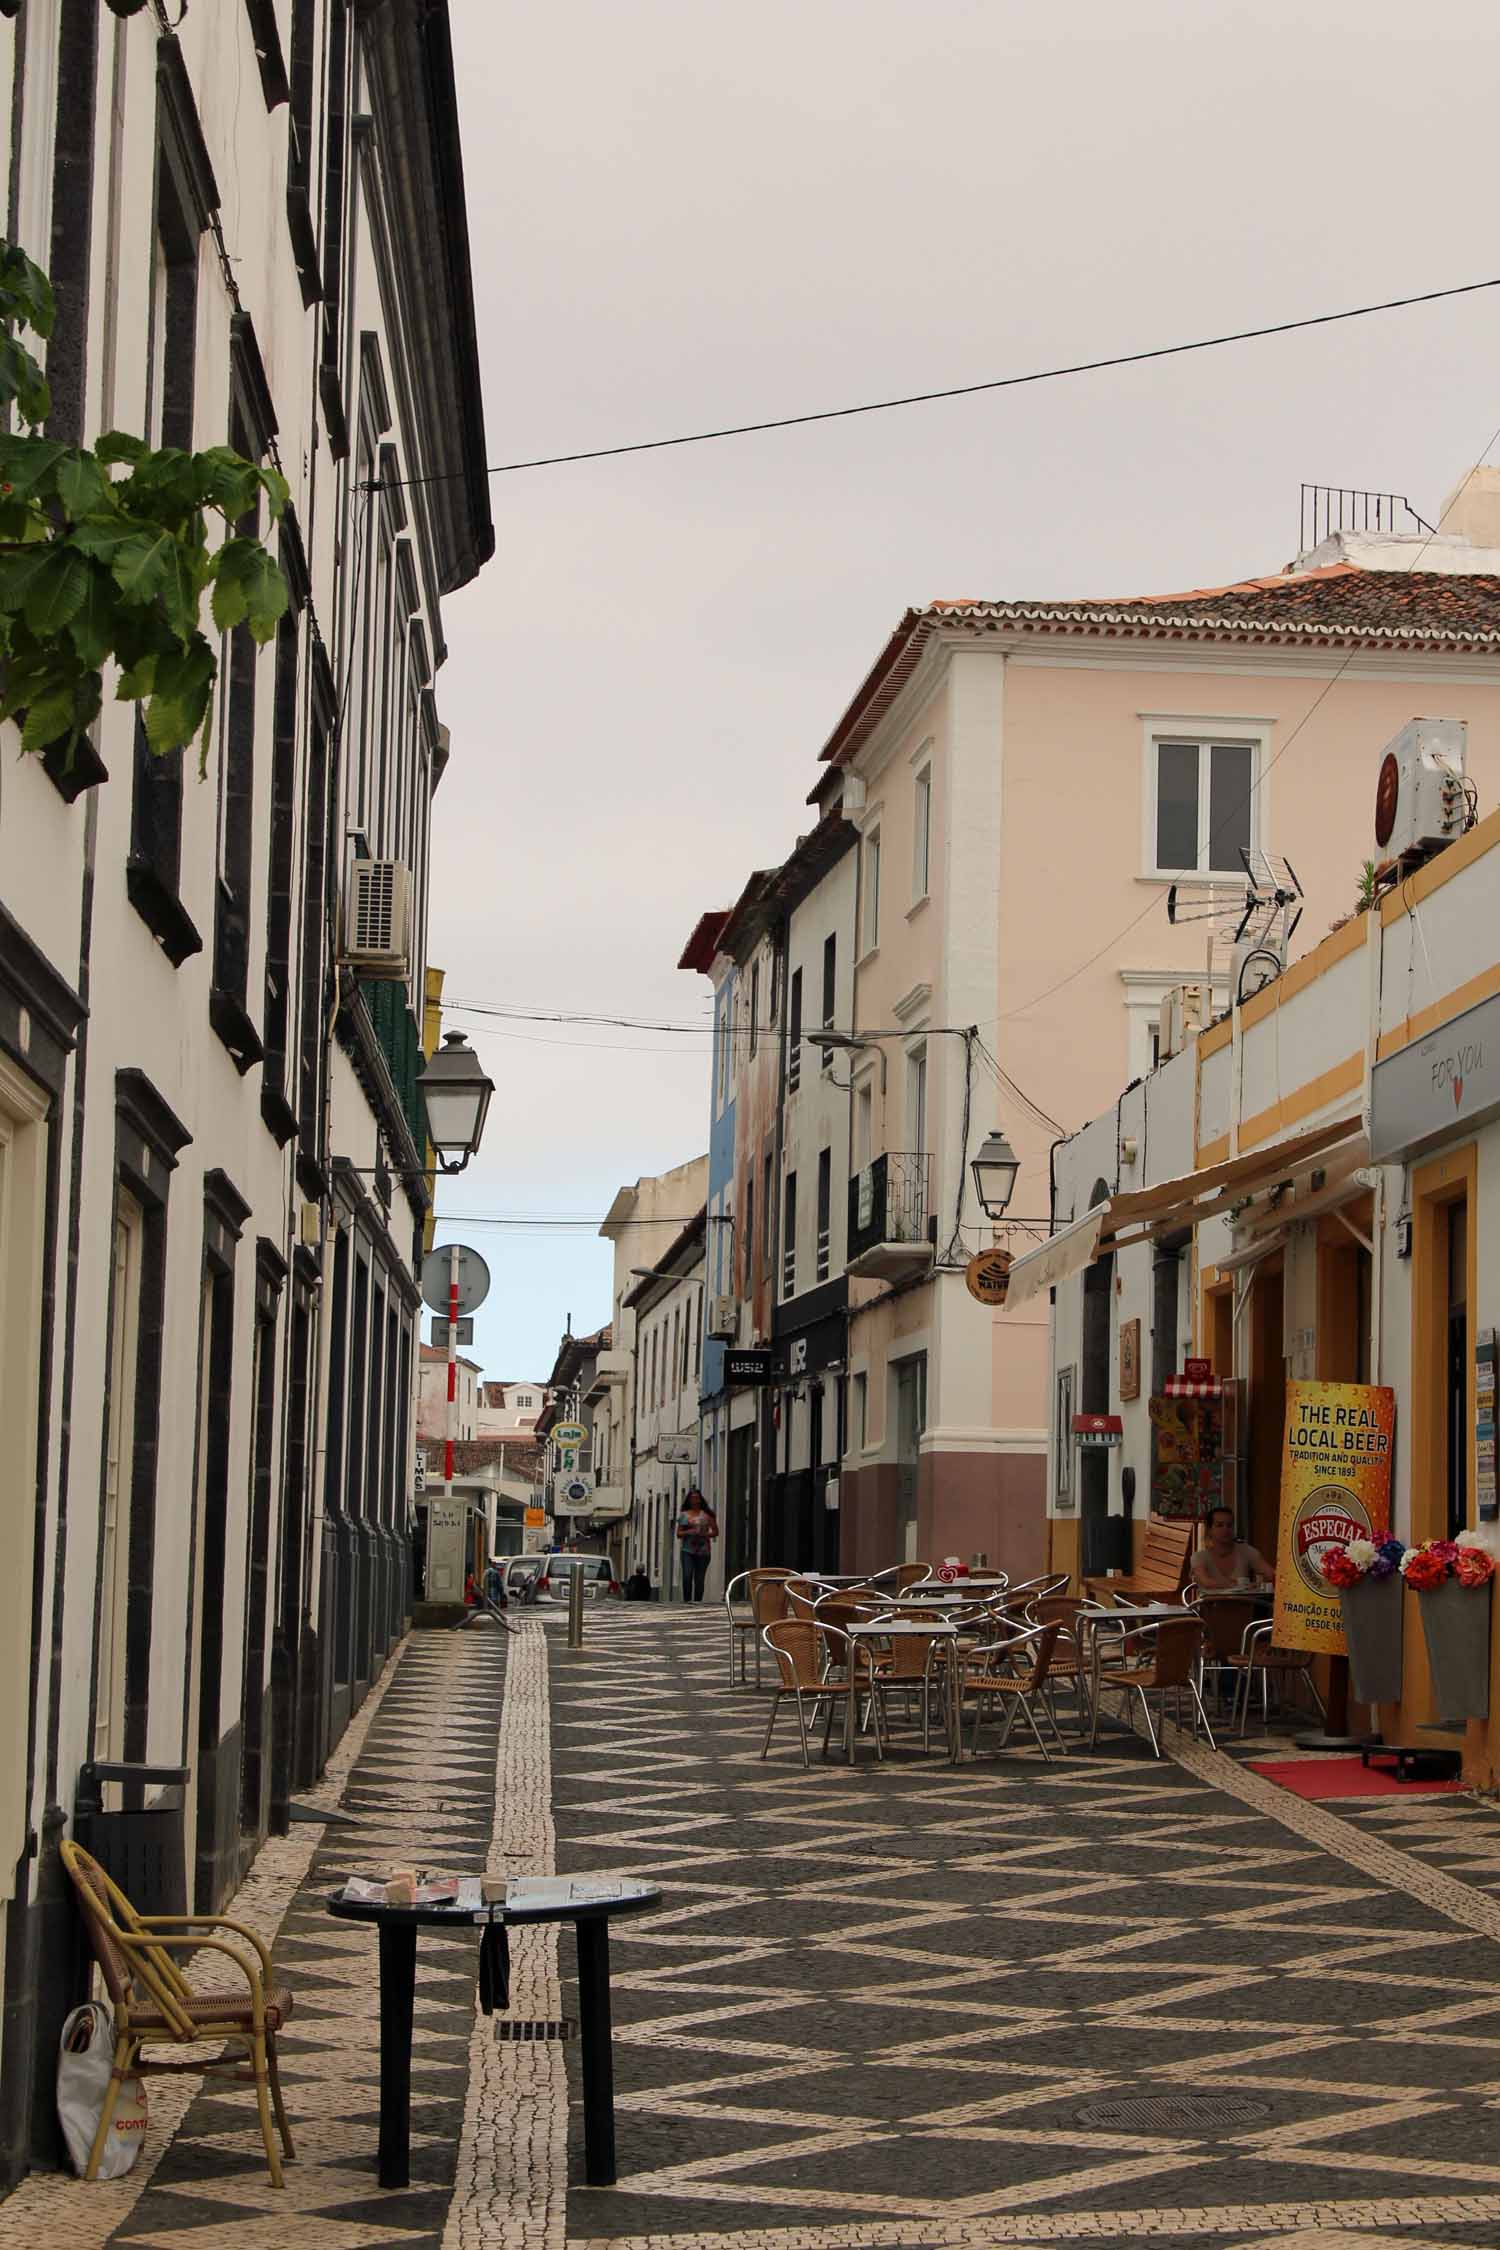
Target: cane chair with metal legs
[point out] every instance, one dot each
(908, 1665)
(1071, 1657)
(1038, 1589)
(896, 1577)
(802, 1658)
(1163, 1662)
(1282, 1665)
(1226, 1620)
(765, 1601)
(1012, 1671)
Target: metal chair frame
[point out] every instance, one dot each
(817, 1689)
(1177, 1629)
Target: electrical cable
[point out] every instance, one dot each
(955, 390)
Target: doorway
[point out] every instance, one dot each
(911, 1420)
(1267, 1403)
(1443, 1289)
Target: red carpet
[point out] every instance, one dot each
(1343, 1777)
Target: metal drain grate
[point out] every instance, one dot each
(532, 2029)
(1175, 2113)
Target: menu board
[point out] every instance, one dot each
(1187, 1456)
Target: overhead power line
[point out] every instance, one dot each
(956, 390)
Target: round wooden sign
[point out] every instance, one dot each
(987, 1276)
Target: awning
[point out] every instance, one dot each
(1143, 1213)
(1066, 1253)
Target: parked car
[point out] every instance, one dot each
(520, 1574)
(599, 1581)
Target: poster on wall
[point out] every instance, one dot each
(1187, 1456)
(1335, 1486)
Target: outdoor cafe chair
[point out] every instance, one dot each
(1071, 1656)
(1156, 1657)
(798, 1645)
(1226, 1618)
(896, 1577)
(764, 1601)
(1283, 1665)
(907, 1665)
(1012, 1671)
(1037, 1589)
(154, 2005)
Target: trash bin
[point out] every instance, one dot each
(142, 1847)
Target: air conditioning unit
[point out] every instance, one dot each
(1184, 1010)
(1422, 800)
(723, 1320)
(377, 915)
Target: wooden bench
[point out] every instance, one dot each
(1163, 1570)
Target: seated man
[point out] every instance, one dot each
(1225, 1564)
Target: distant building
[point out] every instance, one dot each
(504, 1407)
(432, 1395)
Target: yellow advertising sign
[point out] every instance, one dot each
(535, 1518)
(1335, 1486)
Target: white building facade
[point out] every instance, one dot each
(211, 1142)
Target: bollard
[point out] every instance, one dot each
(575, 1608)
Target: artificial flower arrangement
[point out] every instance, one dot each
(1427, 1566)
(1359, 1559)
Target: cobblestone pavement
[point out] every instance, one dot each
(1097, 2000)
(1101, 2000)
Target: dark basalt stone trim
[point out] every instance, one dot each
(293, 557)
(277, 1115)
(267, 36)
(162, 911)
(299, 220)
(223, 1201)
(28, 980)
(183, 134)
(336, 421)
(144, 1114)
(249, 371)
(235, 1029)
(72, 771)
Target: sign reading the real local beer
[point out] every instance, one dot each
(1335, 1486)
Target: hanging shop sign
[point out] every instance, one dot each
(535, 1519)
(1439, 1085)
(1335, 1486)
(1098, 1429)
(568, 1433)
(677, 1449)
(747, 1367)
(987, 1276)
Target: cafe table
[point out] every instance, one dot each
(587, 1901)
(901, 1628)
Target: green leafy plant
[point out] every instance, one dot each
(105, 557)
(1366, 895)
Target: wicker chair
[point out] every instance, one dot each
(760, 1605)
(1071, 1657)
(896, 1577)
(804, 1661)
(1282, 1665)
(1013, 1671)
(154, 2005)
(1226, 1620)
(908, 1666)
(1153, 1660)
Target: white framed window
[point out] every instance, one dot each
(921, 835)
(1203, 798)
(870, 893)
(1145, 991)
(859, 1413)
(916, 1098)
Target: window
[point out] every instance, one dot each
(676, 1362)
(747, 1239)
(921, 834)
(916, 1099)
(280, 879)
(768, 1188)
(859, 1414)
(124, 1309)
(825, 1207)
(830, 977)
(234, 911)
(870, 900)
(754, 1005)
(794, 1035)
(864, 1125)
(789, 1236)
(1202, 805)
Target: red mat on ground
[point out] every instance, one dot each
(1343, 1777)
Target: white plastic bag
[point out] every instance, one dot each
(85, 2057)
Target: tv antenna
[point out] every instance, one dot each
(1257, 930)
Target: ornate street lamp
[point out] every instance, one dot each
(456, 1094)
(995, 1169)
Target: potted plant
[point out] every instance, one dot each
(1451, 1578)
(1367, 1573)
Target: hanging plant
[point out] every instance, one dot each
(99, 567)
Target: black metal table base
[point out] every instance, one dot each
(398, 1984)
(596, 2053)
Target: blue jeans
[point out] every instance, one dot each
(694, 1571)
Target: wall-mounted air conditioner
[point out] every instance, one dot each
(377, 915)
(1184, 1010)
(1422, 800)
(723, 1320)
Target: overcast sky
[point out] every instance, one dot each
(687, 212)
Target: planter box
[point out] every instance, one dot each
(1372, 1628)
(1456, 1621)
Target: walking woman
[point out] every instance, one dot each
(697, 1529)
